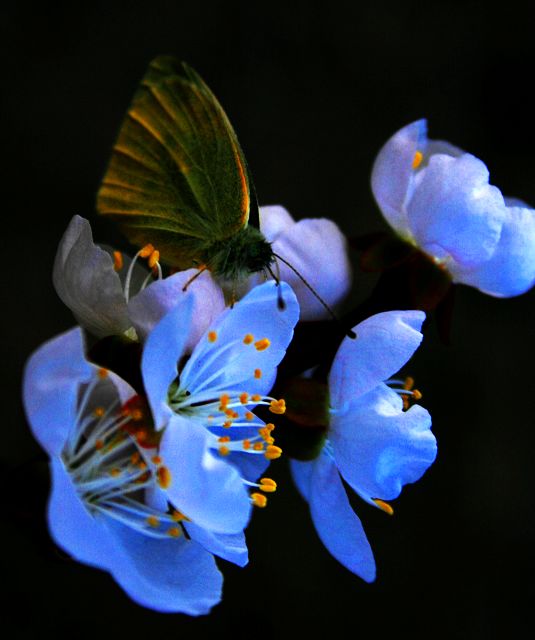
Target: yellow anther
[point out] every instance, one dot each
(249, 415)
(164, 477)
(223, 401)
(135, 458)
(136, 415)
(258, 446)
(178, 517)
(156, 459)
(115, 472)
(99, 444)
(273, 452)
(227, 424)
(102, 373)
(278, 406)
(99, 412)
(174, 532)
(223, 451)
(142, 465)
(117, 260)
(268, 485)
(417, 160)
(257, 373)
(262, 345)
(212, 336)
(256, 397)
(249, 338)
(224, 439)
(265, 435)
(246, 444)
(146, 251)
(232, 414)
(244, 397)
(416, 394)
(384, 506)
(269, 426)
(259, 500)
(153, 521)
(409, 383)
(154, 258)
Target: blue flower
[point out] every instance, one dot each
(211, 395)
(374, 444)
(104, 508)
(438, 198)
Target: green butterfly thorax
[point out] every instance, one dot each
(178, 179)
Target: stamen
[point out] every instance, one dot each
(223, 450)
(156, 460)
(417, 160)
(117, 260)
(257, 373)
(268, 485)
(258, 500)
(154, 258)
(244, 397)
(248, 339)
(153, 521)
(278, 406)
(146, 251)
(163, 477)
(212, 336)
(273, 452)
(262, 345)
(102, 373)
(384, 506)
(174, 532)
(98, 412)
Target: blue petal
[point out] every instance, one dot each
(230, 547)
(164, 347)
(302, 473)
(171, 576)
(205, 488)
(378, 447)
(233, 367)
(337, 525)
(87, 283)
(147, 308)
(454, 213)
(250, 466)
(383, 345)
(511, 269)
(50, 388)
(393, 173)
(71, 526)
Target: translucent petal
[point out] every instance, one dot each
(383, 345)
(204, 487)
(378, 447)
(393, 173)
(230, 547)
(50, 388)
(511, 269)
(87, 283)
(454, 213)
(229, 360)
(149, 306)
(164, 347)
(337, 525)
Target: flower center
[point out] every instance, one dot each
(405, 388)
(108, 466)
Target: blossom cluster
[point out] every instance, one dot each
(163, 409)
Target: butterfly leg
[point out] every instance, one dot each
(202, 269)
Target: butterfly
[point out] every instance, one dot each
(178, 179)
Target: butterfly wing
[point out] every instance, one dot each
(177, 176)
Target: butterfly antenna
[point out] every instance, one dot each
(350, 333)
(280, 300)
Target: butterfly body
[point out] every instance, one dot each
(178, 178)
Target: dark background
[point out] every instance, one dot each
(313, 90)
